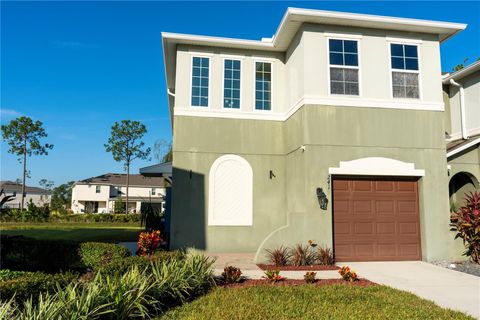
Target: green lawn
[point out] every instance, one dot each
(309, 302)
(102, 232)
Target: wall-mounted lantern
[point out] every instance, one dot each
(322, 199)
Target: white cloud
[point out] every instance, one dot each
(9, 113)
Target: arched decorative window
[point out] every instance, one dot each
(230, 200)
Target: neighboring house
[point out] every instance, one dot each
(336, 107)
(98, 194)
(462, 125)
(38, 196)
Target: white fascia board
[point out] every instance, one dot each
(377, 166)
(464, 147)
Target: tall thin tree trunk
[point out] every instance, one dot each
(24, 172)
(128, 182)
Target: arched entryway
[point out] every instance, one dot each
(460, 184)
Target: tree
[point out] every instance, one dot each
(46, 184)
(62, 196)
(125, 145)
(23, 136)
(163, 151)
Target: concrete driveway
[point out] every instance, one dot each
(447, 288)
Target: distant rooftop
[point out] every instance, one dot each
(11, 186)
(120, 179)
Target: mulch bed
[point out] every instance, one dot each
(315, 267)
(294, 282)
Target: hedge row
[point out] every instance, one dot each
(16, 215)
(51, 256)
(31, 284)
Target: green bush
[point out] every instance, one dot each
(7, 274)
(31, 284)
(135, 294)
(43, 214)
(27, 254)
(51, 256)
(120, 266)
(96, 254)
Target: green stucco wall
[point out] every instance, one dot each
(285, 208)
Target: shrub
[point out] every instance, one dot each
(273, 276)
(96, 254)
(31, 284)
(177, 281)
(231, 275)
(8, 309)
(279, 256)
(148, 243)
(7, 274)
(309, 277)
(27, 254)
(120, 266)
(136, 294)
(325, 256)
(39, 215)
(347, 274)
(303, 255)
(22, 253)
(466, 224)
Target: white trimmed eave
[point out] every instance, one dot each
(464, 147)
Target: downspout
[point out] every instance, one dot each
(462, 108)
(170, 93)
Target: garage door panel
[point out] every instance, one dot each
(376, 220)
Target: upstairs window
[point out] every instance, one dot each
(343, 67)
(200, 79)
(405, 71)
(97, 189)
(263, 85)
(154, 191)
(231, 84)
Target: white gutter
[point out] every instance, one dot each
(170, 93)
(462, 108)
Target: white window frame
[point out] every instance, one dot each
(153, 191)
(353, 37)
(201, 55)
(223, 82)
(98, 189)
(408, 42)
(263, 60)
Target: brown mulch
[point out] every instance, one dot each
(295, 282)
(316, 267)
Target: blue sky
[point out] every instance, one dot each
(80, 66)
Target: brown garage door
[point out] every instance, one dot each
(376, 219)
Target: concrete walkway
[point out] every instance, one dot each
(447, 288)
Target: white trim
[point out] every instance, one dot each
(464, 147)
(461, 73)
(391, 70)
(404, 40)
(255, 60)
(223, 84)
(209, 81)
(333, 101)
(348, 36)
(377, 166)
(329, 66)
(242, 221)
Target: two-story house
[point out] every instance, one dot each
(462, 125)
(37, 196)
(99, 194)
(332, 130)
